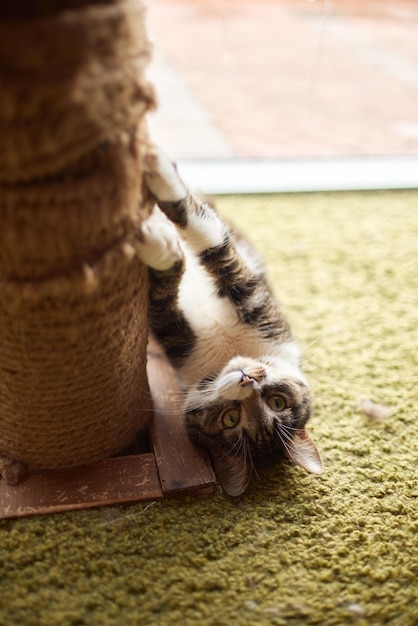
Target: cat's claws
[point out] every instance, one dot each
(161, 176)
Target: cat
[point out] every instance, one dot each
(212, 311)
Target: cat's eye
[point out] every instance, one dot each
(277, 402)
(230, 418)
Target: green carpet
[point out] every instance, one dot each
(338, 549)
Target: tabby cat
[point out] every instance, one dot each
(212, 311)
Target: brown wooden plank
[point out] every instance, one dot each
(123, 480)
(181, 465)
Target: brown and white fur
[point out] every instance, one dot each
(211, 309)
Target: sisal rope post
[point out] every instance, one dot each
(73, 294)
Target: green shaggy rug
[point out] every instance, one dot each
(337, 549)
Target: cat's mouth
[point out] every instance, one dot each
(246, 380)
(236, 386)
(240, 377)
(239, 385)
(252, 375)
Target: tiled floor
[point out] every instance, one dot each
(285, 78)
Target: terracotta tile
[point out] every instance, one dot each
(292, 78)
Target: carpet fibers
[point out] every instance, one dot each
(337, 549)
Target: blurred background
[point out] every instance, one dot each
(285, 79)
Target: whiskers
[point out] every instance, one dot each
(286, 436)
(307, 364)
(241, 449)
(201, 393)
(170, 402)
(300, 448)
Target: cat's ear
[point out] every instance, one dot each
(304, 452)
(233, 472)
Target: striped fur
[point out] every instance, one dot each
(214, 314)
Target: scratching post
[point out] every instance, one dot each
(73, 295)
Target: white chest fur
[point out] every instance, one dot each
(220, 334)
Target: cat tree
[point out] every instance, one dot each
(73, 294)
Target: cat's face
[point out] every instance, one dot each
(252, 409)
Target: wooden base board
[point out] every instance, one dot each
(181, 466)
(173, 467)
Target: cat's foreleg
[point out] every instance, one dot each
(162, 177)
(157, 243)
(199, 223)
(158, 246)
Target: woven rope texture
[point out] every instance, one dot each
(73, 295)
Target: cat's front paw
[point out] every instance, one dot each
(161, 176)
(157, 243)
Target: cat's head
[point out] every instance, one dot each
(252, 409)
